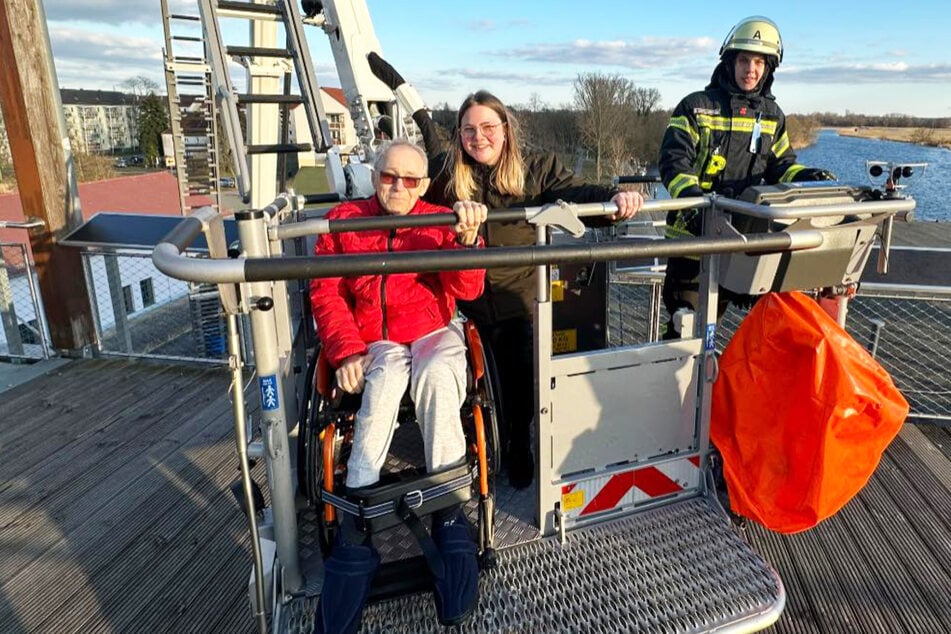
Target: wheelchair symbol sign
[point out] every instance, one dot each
(270, 400)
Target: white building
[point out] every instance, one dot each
(100, 121)
(338, 120)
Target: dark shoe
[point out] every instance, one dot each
(521, 467)
(348, 574)
(457, 590)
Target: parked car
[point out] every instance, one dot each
(226, 181)
(120, 163)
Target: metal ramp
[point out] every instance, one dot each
(192, 111)
(679, 568)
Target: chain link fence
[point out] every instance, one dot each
(23, 334)
(143, 313)
(906, 328)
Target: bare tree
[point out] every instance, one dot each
(605, 108)
(139, 87)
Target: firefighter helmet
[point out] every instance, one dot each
(755, 34)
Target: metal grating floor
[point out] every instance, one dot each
(616, 577)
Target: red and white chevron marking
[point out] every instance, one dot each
(628, 488)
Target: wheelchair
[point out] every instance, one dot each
(325, 435)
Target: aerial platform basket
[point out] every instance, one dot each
(848, 218)
(622, 531)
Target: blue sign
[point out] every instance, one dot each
(270, 400)
(709, 342)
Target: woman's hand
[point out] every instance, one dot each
(350, 373)
(471, 215)
(628, 204)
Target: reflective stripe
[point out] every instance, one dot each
(681, 182)
(735, 124)
(677, 232)
(683, 123)
(780, 146)
(790, 174)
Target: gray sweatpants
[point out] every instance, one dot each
(435, 366)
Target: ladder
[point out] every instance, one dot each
(259, 155)
(192, 111)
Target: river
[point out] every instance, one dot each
(846, 157)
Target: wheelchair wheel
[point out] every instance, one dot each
(322, 451)
(485, 395)
(307, 433)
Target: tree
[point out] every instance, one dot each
(152, 122)
(607, 118)
(140, 87)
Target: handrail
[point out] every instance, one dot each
(168, 255)
(319, 226)
(780, 212)
(30, 223)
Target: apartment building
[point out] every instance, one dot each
(100, 121)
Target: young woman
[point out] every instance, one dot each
(485, 164)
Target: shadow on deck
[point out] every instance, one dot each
(115, 516)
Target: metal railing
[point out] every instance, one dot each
(906, 328)
(24, 333)
(140, 312)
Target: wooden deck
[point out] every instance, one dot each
(115, 516)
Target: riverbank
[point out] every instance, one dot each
(934, 137)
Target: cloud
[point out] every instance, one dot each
(643, 53)
(546, 79)
(113, 11)
(487, 25)
(97, 60)
(882, 73)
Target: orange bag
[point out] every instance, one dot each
(801, 414)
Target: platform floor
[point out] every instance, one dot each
(115, 516)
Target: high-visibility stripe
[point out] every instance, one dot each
(780, 146)
(636, 486)
(655, 483)
(681, 182)
(611, 493)
(735, 124)
(790, 174)
(683, 123)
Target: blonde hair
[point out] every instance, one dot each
(510, 171)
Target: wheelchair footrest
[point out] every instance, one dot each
(376, 506)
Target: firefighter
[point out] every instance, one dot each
(723, 139)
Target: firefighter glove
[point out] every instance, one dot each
(815, 174)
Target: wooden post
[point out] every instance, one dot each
(29, 94)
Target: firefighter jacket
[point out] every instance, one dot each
(510, 292)
(723, 140)
(352, 312)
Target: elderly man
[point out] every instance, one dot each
(382, 332)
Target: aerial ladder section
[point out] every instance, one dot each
(269, 67)
(192, 111)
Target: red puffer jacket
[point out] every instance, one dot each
(401, 307)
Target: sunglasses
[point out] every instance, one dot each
(409, 182)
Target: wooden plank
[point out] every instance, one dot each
(65, 474)
(32, 113)
(180, 482)
(798, 616)
(53, 425)
(136, 575)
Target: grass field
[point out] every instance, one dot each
(937, 137)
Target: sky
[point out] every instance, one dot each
(868, 56)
